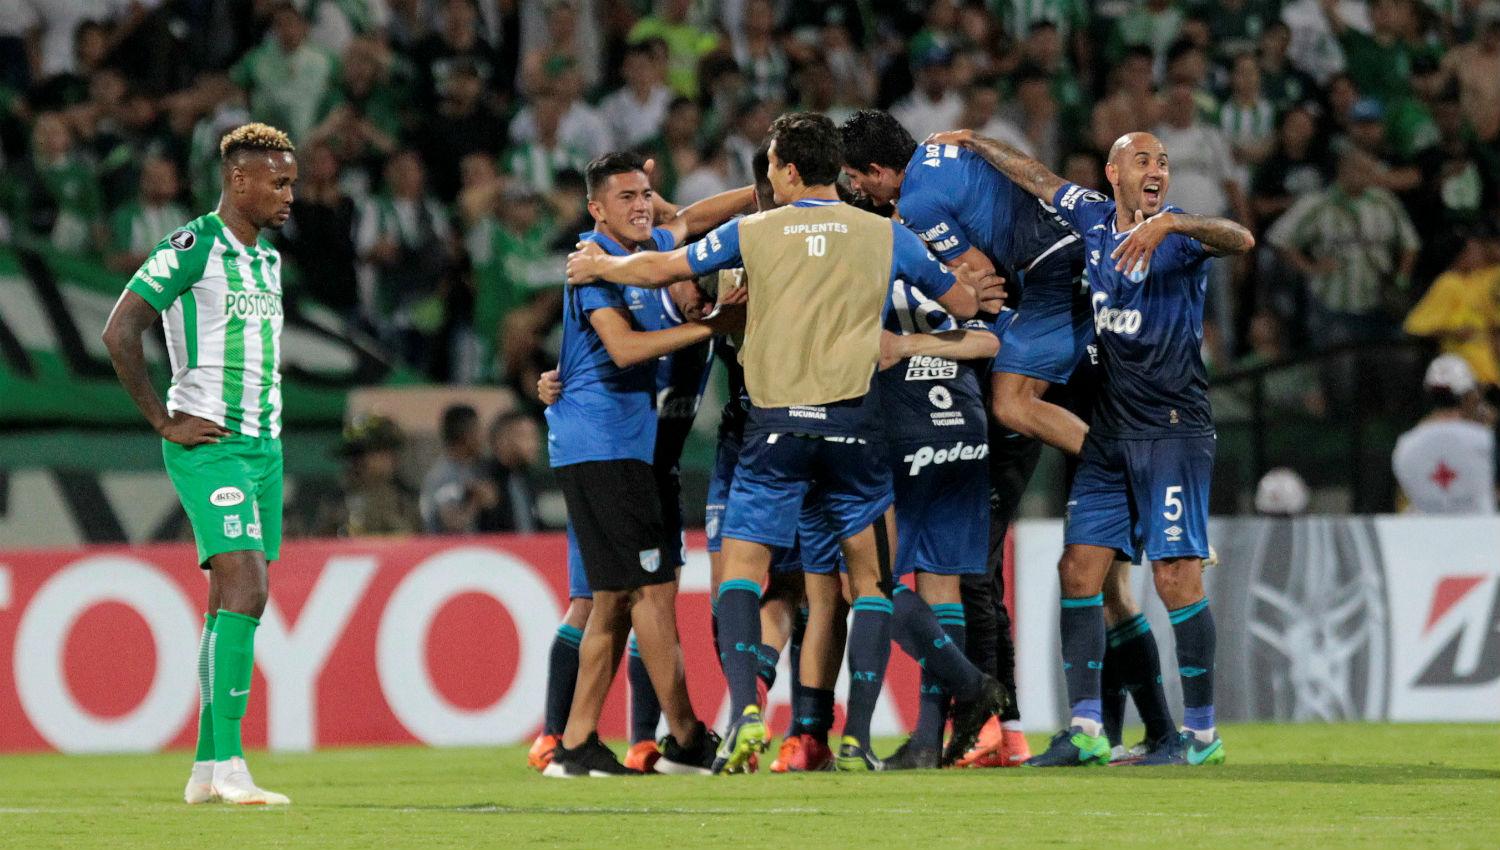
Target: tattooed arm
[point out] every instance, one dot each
(1023, 170)
(1219, 237)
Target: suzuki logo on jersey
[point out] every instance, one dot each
(158, 268)
(1114, 319)
(930, 455)
(252, 305)
(925, 367)
(1465, 617)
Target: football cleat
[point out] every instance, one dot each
(200, 784)
(746, 737)
(232, 784)
(540, 754)
(642, 756)
(856, 757)
(591, 758)
(1073, 748)
(697, 760)
(912, 756)
(1185, 749)
(971, 716)
(791, 746)
(985, 750)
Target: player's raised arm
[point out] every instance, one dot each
(1219, 236)
(652, 269)
(1023, 170)
(966, 344)
(700, 217)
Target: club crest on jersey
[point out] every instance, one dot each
(651, 560)
(182, 240)
(1075, 194)
(925, 367)
(1114, 319)
(226, 497)
(233, 527)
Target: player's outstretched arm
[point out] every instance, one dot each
(699, 218)
(131, 317)
(651, 269)
(1219, 236)
(954, 345)
(628, 346)
(1023, 170)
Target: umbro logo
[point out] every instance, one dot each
(1174, 533)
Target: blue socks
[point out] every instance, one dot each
(562, 677)
(767, 657)
(932, 705)
(1082, 626)
(1132, 666)
(739, 641)
(869, 650)
(1193, 626)
(794, 662)
(812, 713)
(645, 711)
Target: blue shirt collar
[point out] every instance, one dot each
(816, 202)
(609, 245)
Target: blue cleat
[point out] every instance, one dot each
(1073, 748)
(1185, 749)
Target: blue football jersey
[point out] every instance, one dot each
(607, 413)
(925, 397)
(1149, 326)
(955, 200)
(911, 262)
(681, 377)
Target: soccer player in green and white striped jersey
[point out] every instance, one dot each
(217, 285)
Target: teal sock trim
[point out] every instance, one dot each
(633, 648)
(1083, 601)
(1184, 614)
(901, 588)
(873, 603)
(1128, 630)
(948, 608)
(1190, 672)
(739, 584)
(570, 634)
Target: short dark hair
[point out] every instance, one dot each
(604, 167)
(875, 137)
(761, 164)
(811, 142)
(456, 422)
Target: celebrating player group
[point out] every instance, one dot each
(886, 402)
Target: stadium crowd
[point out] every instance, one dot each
(442, 142)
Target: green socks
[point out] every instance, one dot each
(231, 654)
(205, 695)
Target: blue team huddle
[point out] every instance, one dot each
(903, 325)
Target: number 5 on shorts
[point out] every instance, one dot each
(1173, 502)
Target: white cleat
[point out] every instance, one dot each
(200, 785)
(232, 784)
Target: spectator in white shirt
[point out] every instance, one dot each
(582, 127)
(1446, 465)
(635, 112)
(933, 106)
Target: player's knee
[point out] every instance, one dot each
(578, 613)
(1179, 581)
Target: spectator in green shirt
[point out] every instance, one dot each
(686, 42)
(56, 193)
(288, 77)
(1379, 63)
(139, 225)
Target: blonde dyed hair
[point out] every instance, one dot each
(254, 137)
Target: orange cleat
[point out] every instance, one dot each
(541, 751)
(997, 747)
(1014, 751)
(804, 753)
(643, 756)
(790, 747)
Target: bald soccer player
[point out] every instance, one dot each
(1143, 478)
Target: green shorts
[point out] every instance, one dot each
(231, 491)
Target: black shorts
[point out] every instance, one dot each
(615, 511)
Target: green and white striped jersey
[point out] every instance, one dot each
(221, 314)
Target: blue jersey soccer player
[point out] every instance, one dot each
(937, 435)
(971, 212)
(818, 278)
(1143, 480)
(601, 440)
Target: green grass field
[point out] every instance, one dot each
(1285, 786)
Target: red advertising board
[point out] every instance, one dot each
(429, 640)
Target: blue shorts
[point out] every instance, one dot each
(578, 583)
(847, 480)
(726, 457)
(817, 550)
(1051, 331)
(942, 507)
(1147, 494)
